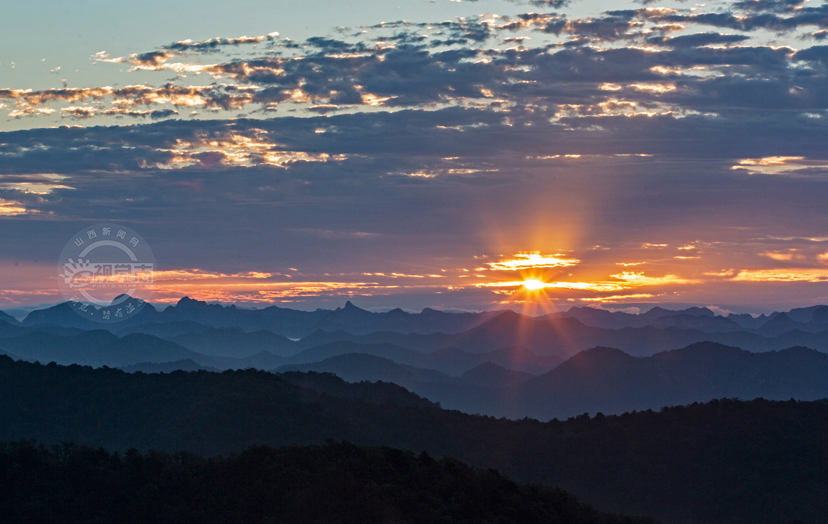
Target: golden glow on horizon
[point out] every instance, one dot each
(535, 282)
(623, 281)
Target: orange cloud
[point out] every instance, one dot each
(782, 275)
(11, 208)
(626, 280)
(533, 261)
(782, 257)
(263, 287)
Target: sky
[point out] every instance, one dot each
(533, 155)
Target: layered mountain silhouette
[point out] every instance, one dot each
(354, 320)
(489, 374)
(166, 329)
(237, 332)
(233, 342)
(95, 348)
(64, 315)
(358, 367)
(8, 319)
(702, 319)
(563, 337)
(608, 380)
(601, 379)
(234, 349)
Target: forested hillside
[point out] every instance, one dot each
(722, 462)
(336, 483)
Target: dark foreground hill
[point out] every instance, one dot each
(758, 462)
(337, 483)
(166, 367)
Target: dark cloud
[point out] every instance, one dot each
(557, 4)
(776, 6)
(817, 53)
(697, 40)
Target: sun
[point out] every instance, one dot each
(533, 285)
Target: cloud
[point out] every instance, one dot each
(765, 16)
(215, 43)
(532, 261)
(454, 63)
(79, 112)
(11, 208)
(776, 6)
(782, 275)
(154, 114)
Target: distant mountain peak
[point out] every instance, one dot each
(659, 311)
(507, 316)
(700, 349)
(8, 319)
(600, 356)
(189, 302)
(820, 314)
(605, 351)
(779, 324)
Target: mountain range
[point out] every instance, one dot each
(186, 316)
(506, 364)
(286, 322)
